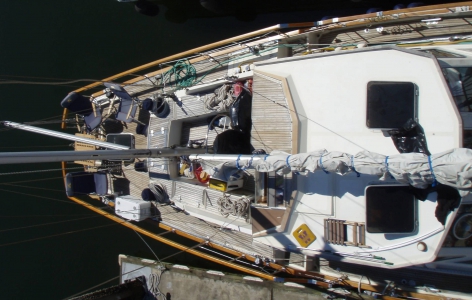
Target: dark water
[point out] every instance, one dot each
(73, 40)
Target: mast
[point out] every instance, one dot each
(58, 156)
(63, 135)
(119, 152)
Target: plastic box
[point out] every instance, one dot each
(132, 209)
(225, 186)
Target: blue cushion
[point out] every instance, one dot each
(118, 90)
(77, 103)
(92, 121)
(141, 129)
(147, 104)
(123, 110)
(84, 183)
(101, 183)
(79, 183)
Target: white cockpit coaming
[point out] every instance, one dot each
(329, 94)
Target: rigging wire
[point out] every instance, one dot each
(37, 171)
(48, 198)
(46, 224)
(148, 246)
(56, 235)
(154, 279)
(235, 259)
(163, 259)
(134, 270)
(44, 216)
(36, 188)
(4, 81)
(38, 179)
(37, 146)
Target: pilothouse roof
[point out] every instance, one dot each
(330, 96)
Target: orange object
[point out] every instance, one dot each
(201, 175)
(237, 88)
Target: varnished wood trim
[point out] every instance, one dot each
(183, 54)
(407, 12)
(200, 58)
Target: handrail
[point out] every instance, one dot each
(367, 19)
(186, 53)
(398, 11)
(269, 29)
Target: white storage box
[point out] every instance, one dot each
(132, 209)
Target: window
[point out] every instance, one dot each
(390, 104)
(390, 209)
(459, 81)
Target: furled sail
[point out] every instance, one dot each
(452, 168)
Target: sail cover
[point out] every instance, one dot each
(452, 168)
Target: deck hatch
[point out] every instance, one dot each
(390, 104)
(390, 209)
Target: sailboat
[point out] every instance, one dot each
(303, 149)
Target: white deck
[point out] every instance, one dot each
(330, 90)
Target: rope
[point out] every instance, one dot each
(221, 99)
(153, 286)
(160, 192)
(182, 74)
(238, 208)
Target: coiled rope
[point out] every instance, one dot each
(181, 75)
(238, 208)
(221, 99)
(153, 285)
(160, 192)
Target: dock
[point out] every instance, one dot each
(179, 282)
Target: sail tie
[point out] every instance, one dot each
(435, 182)
(321, 165)
(386, 166)
(249, 162)
(237, 162)
(286, 161)
(353, 168)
